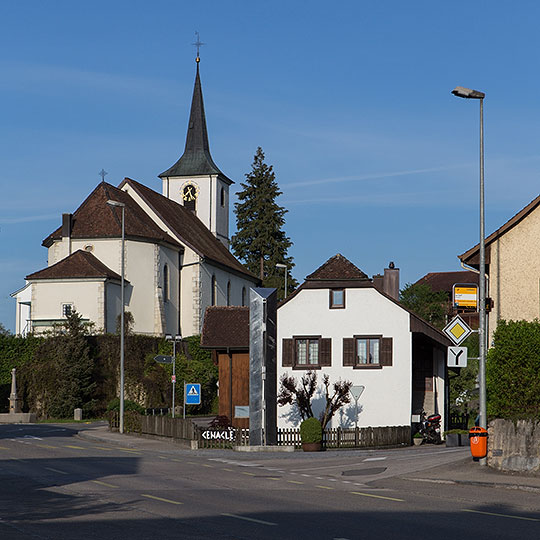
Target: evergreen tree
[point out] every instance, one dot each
(260, 242)
(75, 369)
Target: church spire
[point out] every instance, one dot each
(196, 159)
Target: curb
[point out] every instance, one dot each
(498, 485)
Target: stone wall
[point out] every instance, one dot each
(514, 446)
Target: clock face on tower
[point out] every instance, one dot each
(190, 192)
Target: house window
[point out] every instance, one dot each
(337, 298)
(243, 296)
(228, 293)
(365, 352)
(214, 291)
(307, 352)
(166, 283)
(67, 310)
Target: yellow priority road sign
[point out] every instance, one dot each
(457, 330)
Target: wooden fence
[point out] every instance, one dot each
(185, 429)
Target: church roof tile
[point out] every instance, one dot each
(96, 219)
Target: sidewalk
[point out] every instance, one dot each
(470, 472)
(465, 471)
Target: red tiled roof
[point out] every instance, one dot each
(80, 264)
(444, 281)
(188, 227)
(96, 219)
(339, 268)
(225, 326)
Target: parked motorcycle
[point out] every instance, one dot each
(430, 428)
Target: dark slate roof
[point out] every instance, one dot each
(96, 219)
(196, 159)
(337, 268)
(444, 281)
(189, 228)
(80, 264)
(226, 327)
(472, 256)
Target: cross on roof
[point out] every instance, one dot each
(198, 44)
(103, 173)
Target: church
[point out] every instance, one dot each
(175, 250)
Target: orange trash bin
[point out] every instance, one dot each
(478, 440)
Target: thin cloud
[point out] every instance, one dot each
(376, 176)
(27, 219)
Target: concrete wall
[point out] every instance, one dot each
(514, 446)
(387, 397)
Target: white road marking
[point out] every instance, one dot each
(249, 519)
(375, 459)
(499, 515)
(55, 470)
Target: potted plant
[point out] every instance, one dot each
(311, 435)
(418, 439)
(457, 437)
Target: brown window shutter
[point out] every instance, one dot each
(386, 351)
(287, 353)
(348, 351)
(325, 352)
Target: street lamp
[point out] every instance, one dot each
(467, 93)
(122, 337)
(174, 340)
(281, 265)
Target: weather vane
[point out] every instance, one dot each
(198, 44)
(103, 173)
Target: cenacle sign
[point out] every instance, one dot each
(222, 435)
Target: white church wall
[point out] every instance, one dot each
(113, 304)
(83, 295)
(190, 294)
(386, 400)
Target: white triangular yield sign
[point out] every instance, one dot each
(193, 392)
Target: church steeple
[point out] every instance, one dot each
(196, 159)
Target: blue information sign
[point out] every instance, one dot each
(193, 394)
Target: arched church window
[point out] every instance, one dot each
(243, 296)
(229, 293)
(165, 283)
(189, 196)
(222, 197)
(214, 291)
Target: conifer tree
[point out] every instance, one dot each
(260, 242)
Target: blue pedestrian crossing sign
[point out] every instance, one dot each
(193, 394)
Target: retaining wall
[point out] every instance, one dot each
(514, 446)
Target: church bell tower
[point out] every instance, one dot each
(195, 181)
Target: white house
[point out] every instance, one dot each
(341, 323)
(176, 255)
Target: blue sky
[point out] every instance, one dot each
(350, 102)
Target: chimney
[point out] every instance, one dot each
(391, 281)
(378, 282)
(66, 229)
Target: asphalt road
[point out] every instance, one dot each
(56, 485)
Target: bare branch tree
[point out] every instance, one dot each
(300, 394)
(335, 401)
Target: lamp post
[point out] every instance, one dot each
(281, 265)
(174, 340)
(467, 93)
(122, 336)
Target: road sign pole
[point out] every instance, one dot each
(184, 400)
(174, 375)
